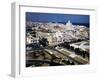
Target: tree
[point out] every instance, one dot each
(76, 50)
(68, 62)
(34, 33)
(72, 48)
(66, 45)
(72, 63)
(35, 55)
(44, 42)
(43, 54)
(35, 45)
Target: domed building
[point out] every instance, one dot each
(69, 25)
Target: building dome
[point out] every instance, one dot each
(69, 25)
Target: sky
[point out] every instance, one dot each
(55, 17)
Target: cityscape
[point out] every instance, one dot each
(57, 39)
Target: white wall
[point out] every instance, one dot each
(5, 40)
